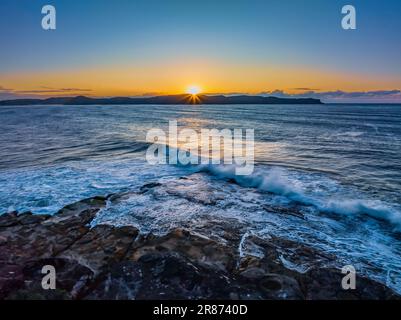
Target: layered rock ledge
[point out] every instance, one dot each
(108, 262)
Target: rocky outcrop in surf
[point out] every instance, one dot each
(110, 262)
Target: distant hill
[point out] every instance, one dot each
(168, 99)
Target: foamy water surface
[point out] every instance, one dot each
(337, 167)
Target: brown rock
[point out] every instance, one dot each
(198, 249)
(101, 246)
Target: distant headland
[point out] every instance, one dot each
(165, 99)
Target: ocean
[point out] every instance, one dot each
(336, 167)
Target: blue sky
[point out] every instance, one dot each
(274, 35)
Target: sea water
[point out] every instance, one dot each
(339, 165)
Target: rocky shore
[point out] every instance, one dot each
(108, 262)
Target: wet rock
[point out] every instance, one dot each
(196, 248)
(13, 218)
(283, 210)
(279, 286)
(229, 231)
(158, 275)
(43, 237)
(11, 278)
(121, 282)
(148, 186)
(284, 255)
(101, 246)
(168, 275)
(108, 262)
(29, 238)
(30, 218)
(325, 283)
(203, 194)
(71, 277)
(253, 273)
(302, 275)
(8, 219)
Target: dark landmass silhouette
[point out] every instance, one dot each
(166, 99)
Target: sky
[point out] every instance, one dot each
(270, 47)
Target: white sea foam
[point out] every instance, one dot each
(373, 208)
(278, 181)
(201, 202)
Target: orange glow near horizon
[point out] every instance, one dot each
(171, 77)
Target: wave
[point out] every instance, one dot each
(276, 181)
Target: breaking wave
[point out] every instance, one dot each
(277, 181)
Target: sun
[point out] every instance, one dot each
(194, 90)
